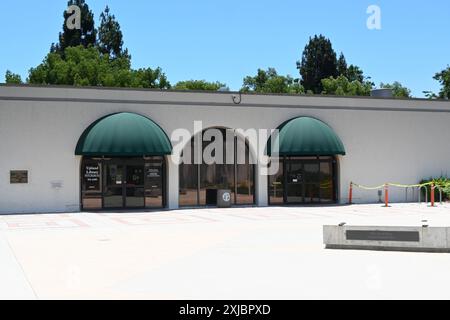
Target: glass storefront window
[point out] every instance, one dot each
(188, 185)
(91, 182)
(303, 180)
(326, 182)
(245, 184)
(215, 177)
(276, 185)
(199, 182)
(121, 183)
(154, 184)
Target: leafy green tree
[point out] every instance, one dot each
(149, 78)
(89, 67)
(318, 62)
(110, 37)
(268, 81)
(80, 60)
(398, 90)
(201, 85)
(86, 36)
(444, 79)
(430, 95)
(12, 78)
(341, 86)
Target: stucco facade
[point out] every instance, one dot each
(386, 140)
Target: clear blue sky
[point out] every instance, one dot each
(227, 40)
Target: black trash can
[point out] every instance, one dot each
(211, 197)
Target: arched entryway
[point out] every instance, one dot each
(307, 163)
(124, 163)
(200, 180)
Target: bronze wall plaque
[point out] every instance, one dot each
(18, 176)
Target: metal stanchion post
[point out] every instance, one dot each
(350, 193)
(386, 195)
(432, 194)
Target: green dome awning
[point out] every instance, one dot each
(123, 135)
(305, 136)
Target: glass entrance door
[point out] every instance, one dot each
(113, 189)
(311, 181)
(124, 184)
(134, 185)
(295, 182)
(308, 180)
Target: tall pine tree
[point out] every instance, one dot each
(86, 36)
(318, 62)
(342, 65)
(110, 38)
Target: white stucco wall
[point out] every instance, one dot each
(386, 140)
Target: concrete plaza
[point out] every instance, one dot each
(239, 253)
